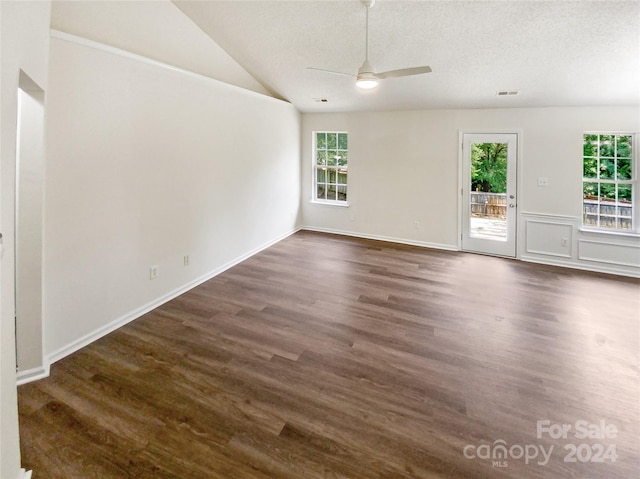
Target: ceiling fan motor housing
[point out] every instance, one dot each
(366, 70)
(366, 78)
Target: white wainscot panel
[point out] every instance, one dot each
(611, 253)
(549, 238)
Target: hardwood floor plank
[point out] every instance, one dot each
(341, 358)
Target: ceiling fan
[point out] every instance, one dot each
(367, 78)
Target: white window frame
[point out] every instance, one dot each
(635, 190)
(314, 175)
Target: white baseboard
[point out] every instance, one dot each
(547, 259)
(33, 374)
(80, 343)
(389, 239)
(42, 372)
(594, 268)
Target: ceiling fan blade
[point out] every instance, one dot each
(404, 72)
(331, 71)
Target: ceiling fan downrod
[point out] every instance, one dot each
(366, 78)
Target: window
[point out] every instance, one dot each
(330, 166)
(608, 181)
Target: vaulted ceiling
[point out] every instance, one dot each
(554, 53)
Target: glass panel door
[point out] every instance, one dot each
(489, 193)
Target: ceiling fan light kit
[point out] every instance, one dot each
(367, 78)
(366, 84)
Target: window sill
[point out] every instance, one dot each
(610, 232)
(342, 204)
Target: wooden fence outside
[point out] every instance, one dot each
(488, 205)
(612, 214)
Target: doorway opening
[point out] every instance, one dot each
(488, 189)
(29, 186)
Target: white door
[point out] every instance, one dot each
(489, 196)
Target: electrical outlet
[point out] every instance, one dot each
(564, 242)
(416, 225)
(154, 272)
(187, 260)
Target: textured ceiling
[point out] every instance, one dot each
(556, 53)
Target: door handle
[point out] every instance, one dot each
(512, 205)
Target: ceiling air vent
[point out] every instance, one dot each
(508, 92)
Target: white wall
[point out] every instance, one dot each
(24, 40)
(146, 164)
(403, 167)
(155, 29)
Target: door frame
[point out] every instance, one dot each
(462, 180)
(28, 189)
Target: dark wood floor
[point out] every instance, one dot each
(331, 357)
